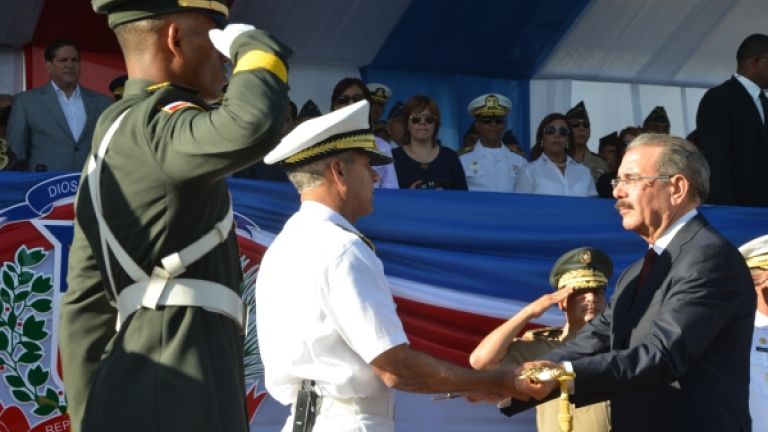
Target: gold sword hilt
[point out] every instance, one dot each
(543, 374)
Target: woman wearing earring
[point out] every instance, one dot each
(422, 163)
(551, 171)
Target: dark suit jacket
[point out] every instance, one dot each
(677, 357)
(731, 136)
(38, 131)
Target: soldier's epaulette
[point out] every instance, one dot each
(466, 150)
(180, 105)
(546, 333)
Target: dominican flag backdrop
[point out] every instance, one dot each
(459, 263)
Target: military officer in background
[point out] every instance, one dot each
(579, 278)
(756, 254)
(488, 164)
(578, 121)
(326, 320)
(380, 94)
(154, 252)
(657, 121)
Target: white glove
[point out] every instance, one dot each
(222, 39)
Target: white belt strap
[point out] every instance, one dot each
(382, 407)
(158, 289)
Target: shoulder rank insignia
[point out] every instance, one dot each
(180, 105)
(546, 333)
(466, 149)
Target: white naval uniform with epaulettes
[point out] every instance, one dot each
(491, 169)
(758, 378)
(324, 311)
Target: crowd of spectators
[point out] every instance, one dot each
(50, 129)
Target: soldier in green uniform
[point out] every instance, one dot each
(154, 251)
(579, 278)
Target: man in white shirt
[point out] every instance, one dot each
(51, 127)
(326, 320)
(732, 131)
(488, 164)
(671, 352)
(756, 254)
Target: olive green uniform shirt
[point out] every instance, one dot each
(597, 165)
(533, 345)
(162, 188)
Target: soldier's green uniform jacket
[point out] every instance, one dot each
(163, 187)
(533, 345)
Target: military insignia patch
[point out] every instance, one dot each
(180, 105)
(585, 257)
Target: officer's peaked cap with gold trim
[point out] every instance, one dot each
(123, 11)
(379, 92)
(345, 129)
(489, 105)
(581, 268)
(756, 253)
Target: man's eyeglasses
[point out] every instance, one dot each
(583, 123)
(632, 180)
(416, 119)
(551, 130)
(347, 100)
(491, 120)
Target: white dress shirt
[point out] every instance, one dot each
(387, 174)
(491, 169)
(73, 108)
(754, 92)
(542, 176)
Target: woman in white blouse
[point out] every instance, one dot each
(551, 171)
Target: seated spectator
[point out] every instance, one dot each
(347, 92)
(308, 110)
(657, 121)
(5, 112)
(578, 121)
(420, 162)
(611, 150)
(626, 136)
(470, 136)
(395, 127)
(380, 130)
(5, 158)
(5, 100)
(380, 94)
(488, 164)
(551, 170)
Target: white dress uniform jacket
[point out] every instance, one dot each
(491, 169)
(324, 312)
(542, 176)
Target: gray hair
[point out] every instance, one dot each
(312, 175)
(679, 156)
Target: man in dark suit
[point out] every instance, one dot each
(671, 352)
(732, 131)
(51, 127)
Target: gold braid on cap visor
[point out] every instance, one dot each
(492, 111)
(583, 278)
(758, 261)
(206, 4)
(356, 140)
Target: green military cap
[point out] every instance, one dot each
(756, 253)
(123, 11)
(659, 115)
(581, 268)
(610, 140)
(309, 110)
(578, 112)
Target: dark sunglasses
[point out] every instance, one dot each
(583, 123)
(416, 119)
(551, 130)
(346, 100)
(489, 120)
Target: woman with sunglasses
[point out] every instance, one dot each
(422, 163)
(551, 171)
(347, 92)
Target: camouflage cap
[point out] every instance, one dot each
(123, 11)
(581, 268)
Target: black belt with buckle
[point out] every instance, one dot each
(305, 408)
